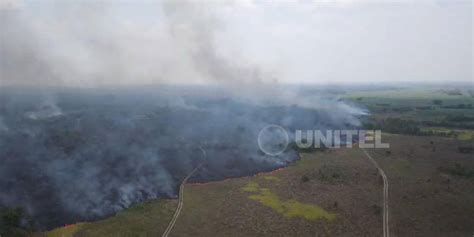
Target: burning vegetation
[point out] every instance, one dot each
(102, 152)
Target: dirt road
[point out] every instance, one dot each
(180, 202)
(181, 197)
(386, 232)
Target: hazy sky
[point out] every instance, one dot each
(87, 43)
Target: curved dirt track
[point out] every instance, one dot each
(180, 203)
(181, 197)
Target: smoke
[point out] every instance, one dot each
(80, 146)
(109, 149)
(47, 109)
(89, 44)
(103, 43)
(196, 27)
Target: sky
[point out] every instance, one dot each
(100, 43)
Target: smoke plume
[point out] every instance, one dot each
(81, 138)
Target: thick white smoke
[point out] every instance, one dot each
(88, 139)
(90, 44)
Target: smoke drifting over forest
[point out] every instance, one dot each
(96, 152)
(76, 144)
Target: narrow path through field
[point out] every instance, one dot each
(180, 203)
(181, 198)
(386, 232)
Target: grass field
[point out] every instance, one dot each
(460, 134)
(289, 208)
(427, 199)
(284, 203)
(145, 219)
(416, 96)
(414, 104)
